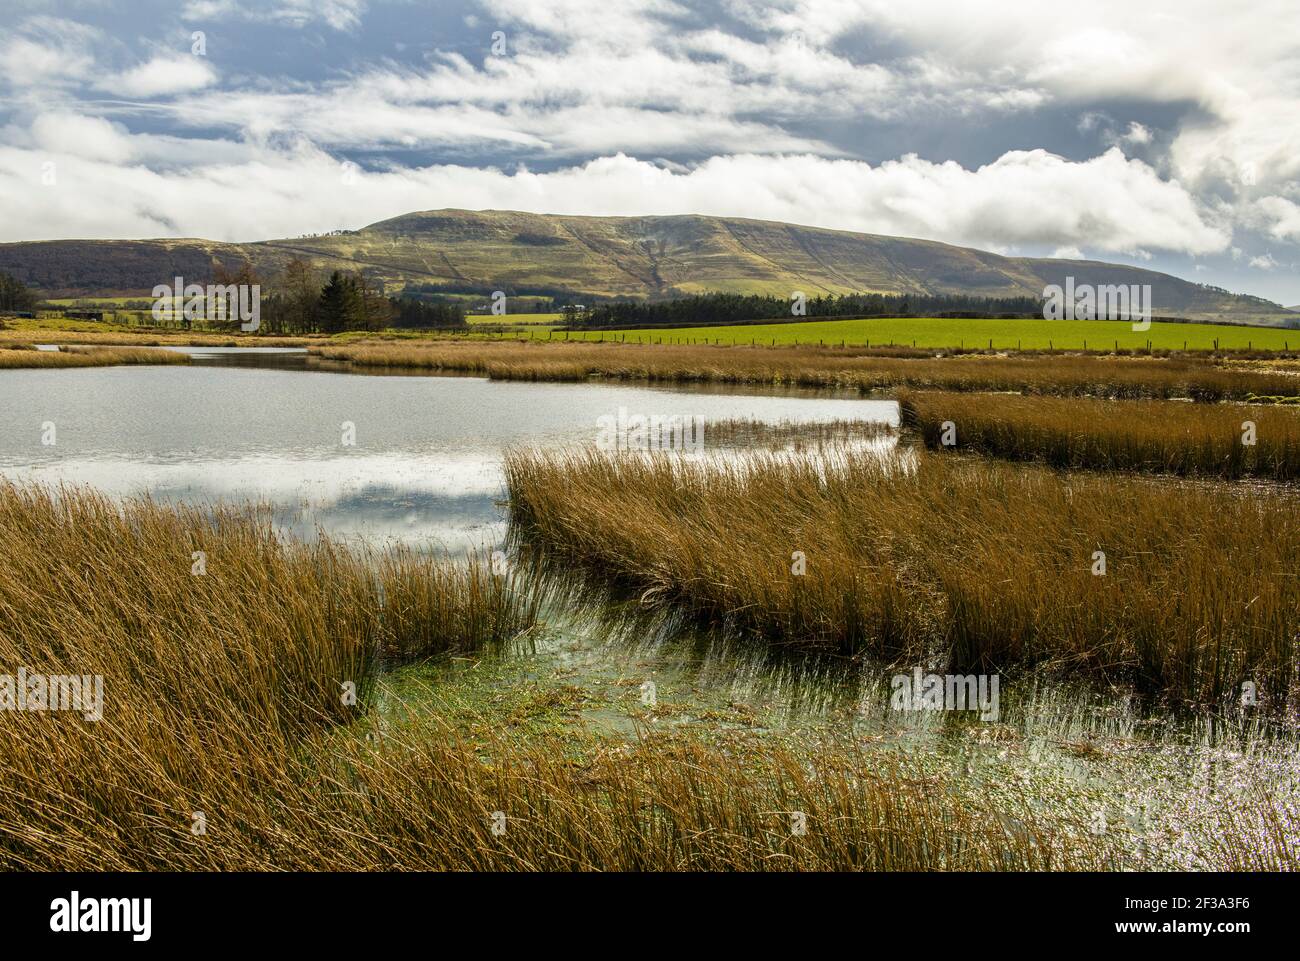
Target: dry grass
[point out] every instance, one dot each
(87, 357)
(823, 368)
(223, 709)
(1155, 436)
(739, 432)
(980, 564)
(210, 681)
(222, 697)
(26, 332)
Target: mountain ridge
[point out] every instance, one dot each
(632, 256)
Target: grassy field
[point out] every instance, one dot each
(542, 321)
(931, 332)
(1129, 435)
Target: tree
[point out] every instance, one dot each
(294, 305)
(14, 294)
(376, 311)
(226, 315)
(340, 304)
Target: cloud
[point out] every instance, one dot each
(65, 134)
(162, 76)
(765, 108)
(1264, 262)
(1108, 203)
(1282, 217)
(1242, 71)
(47, 51)
(339, 14)
(1136, 134)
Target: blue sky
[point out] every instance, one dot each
(1160, 134)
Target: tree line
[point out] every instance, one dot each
(305, 301)
(709, 309)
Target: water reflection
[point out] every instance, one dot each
(264, 424)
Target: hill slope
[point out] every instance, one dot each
(609, 256)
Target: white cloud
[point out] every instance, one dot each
(45, 51)
(1108, 203)
(1242, 69)
(1136, 134)
(88, 138)
(757, 100)
(1282, 217)
(1264, 262)
(339, 14)
(162, 76)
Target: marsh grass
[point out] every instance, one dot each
(1152, 436)
(226, 744)
(738, 432)
(19, 357)
(223, 709)
(1078, 375)
(976, 565)
(95, 334)
(211, 680)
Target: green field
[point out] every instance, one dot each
(514, 320)
(1006, 334)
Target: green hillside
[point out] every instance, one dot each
(611, 256)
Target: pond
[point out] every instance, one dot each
(415, 459)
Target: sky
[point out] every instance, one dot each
(1160, 134)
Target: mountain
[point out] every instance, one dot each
(609, 256)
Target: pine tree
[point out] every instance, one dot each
(340, 304)
(14, 294)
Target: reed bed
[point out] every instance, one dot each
(665, 803)
(969, 563)
(215, 664)
(226, 742)
(229, 741)
(1079, 375)
(12, 358)
(1130, 435)
(738, 432)
(90, 334)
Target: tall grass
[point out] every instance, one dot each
(13, 358)
(831, 368)
(212, 674)
(1154, 436)
(226, 744)
(978, 564)
(22, 333)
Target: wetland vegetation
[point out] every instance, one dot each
(678, 662)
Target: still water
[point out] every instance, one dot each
(425, 467)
